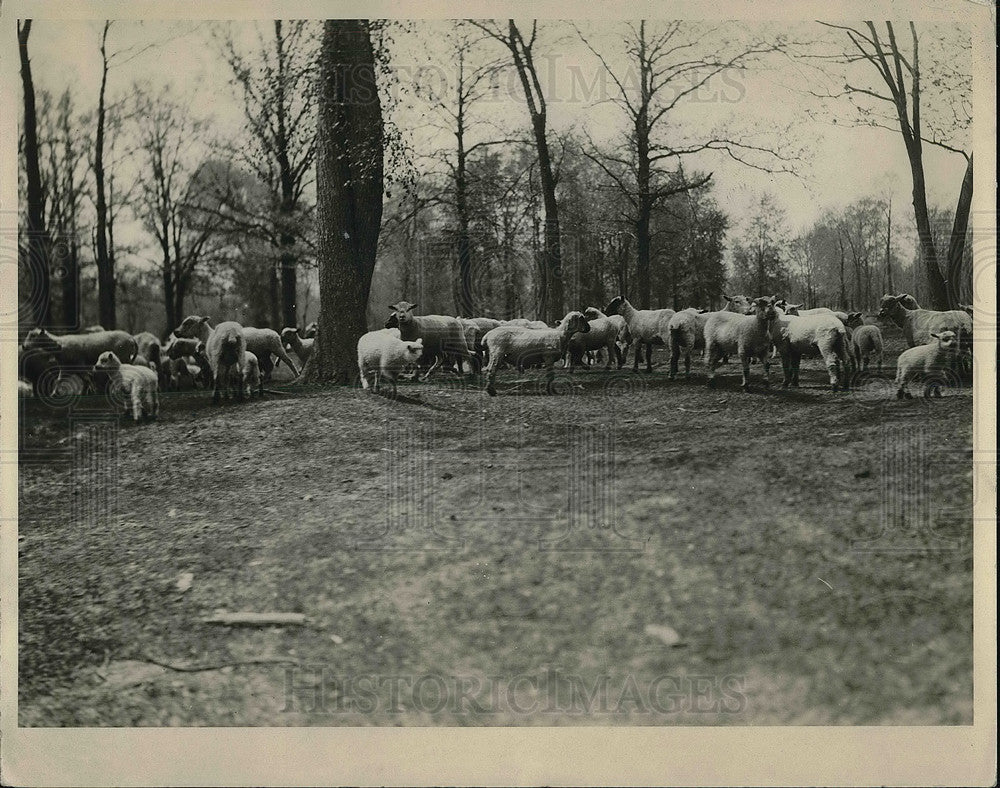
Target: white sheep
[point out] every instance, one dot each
(303, 347)
(824, 334)
(796, 310)
(264, 343)
(927, 361)
(476, 328)
(687, 331)
(382, 355)
(138, 383)
(865, 340)
(604, 333)
(251, 377)
(646, 326)
(443, 336)
(225, 346)
(524, 344)
(729, 333)
(311, 330)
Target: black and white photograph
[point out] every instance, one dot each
(498, 373)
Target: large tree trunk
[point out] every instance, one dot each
(466, 307)
(937, 290)
(956, 248)
(552, 248)
(349, 194)
(37, 248)
(105, 266)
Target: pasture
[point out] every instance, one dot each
(631, 551)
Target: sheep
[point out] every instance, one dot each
(76, 353)
(647, 326)
(250, 378)
(687, 331)
(263, 343)
(795, 336)
(182, 374)
(728, 333)
(225, 346)
(796, 310)
(479, 327)
(382, 355)
(919, 324)
(303, 347)
(188, 349)
(138, 383)
(866, 341)
(94, 329)
(521, 343)
(603, 334)
(927, 361)
(443, 336)
(523, 322)
(311, 330)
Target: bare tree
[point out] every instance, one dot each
(904, 84)
(277, 88)
(670, 65)
(35, 244)
(349, 181)
(522, 52)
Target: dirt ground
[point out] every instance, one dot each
(631, 551)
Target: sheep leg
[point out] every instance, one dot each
(649, 357)
(216, 381)
(766, 360)
(675, 354)
(745, 361)
(283, 356)
(266, 365)
(491, 373)
(638, 355)
(713, 363)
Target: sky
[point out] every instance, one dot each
(840, 163)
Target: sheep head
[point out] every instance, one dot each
(854, 319)
(402, 311)
(791, 309)
(763, 308)
(575, 322)
(947, 341)
(41, 340)
(592, 313)
(413, 351)
(287, 334)
(107, 360)
(614, 306)
(739, 304)
(193, 327)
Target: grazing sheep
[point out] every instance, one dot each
(264, 343)
(687, 331)
(866, 341)
(824, 334)
(927, 361)
(603, 335)
(225, 346)
(138, 383)
(311, 330)
(382, 355)
(647, 326)
(303, 347)
(520, 344)
(250, 378)
(920, 324)
(729, 333)
(443, 336)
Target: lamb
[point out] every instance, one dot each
(443, 336)
(382, 355)
(303, 347)
(866, 341)
(182, 374)
(687, 331)
(647, 326)
(138, 383)
(926, 361)
(920, 324)
(263, 343)
(188, 349)
(520, 344)
(251, 378)
(225, 346)
(311, 330)
(795, 336)
(603, 334)
(728, 333)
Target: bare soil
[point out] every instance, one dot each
(631, 550)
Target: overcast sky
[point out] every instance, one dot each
(841, 164)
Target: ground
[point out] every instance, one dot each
(629, 551)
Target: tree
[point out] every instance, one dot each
(349, 174)
(35, 245)
(277, 87)
(948, 86)
(668, 69)
(180, 198)
(522, 55)
(760, 256)
(105, 262)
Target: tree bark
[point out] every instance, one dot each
(956, 248)
(36, 241)
(349, 171)
(105, 267)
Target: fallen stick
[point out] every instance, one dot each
(217, 665)
(256, 619)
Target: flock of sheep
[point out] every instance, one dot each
(237, 360)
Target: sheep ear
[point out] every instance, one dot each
(936, 336)
(204, 319)
(728, 298)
